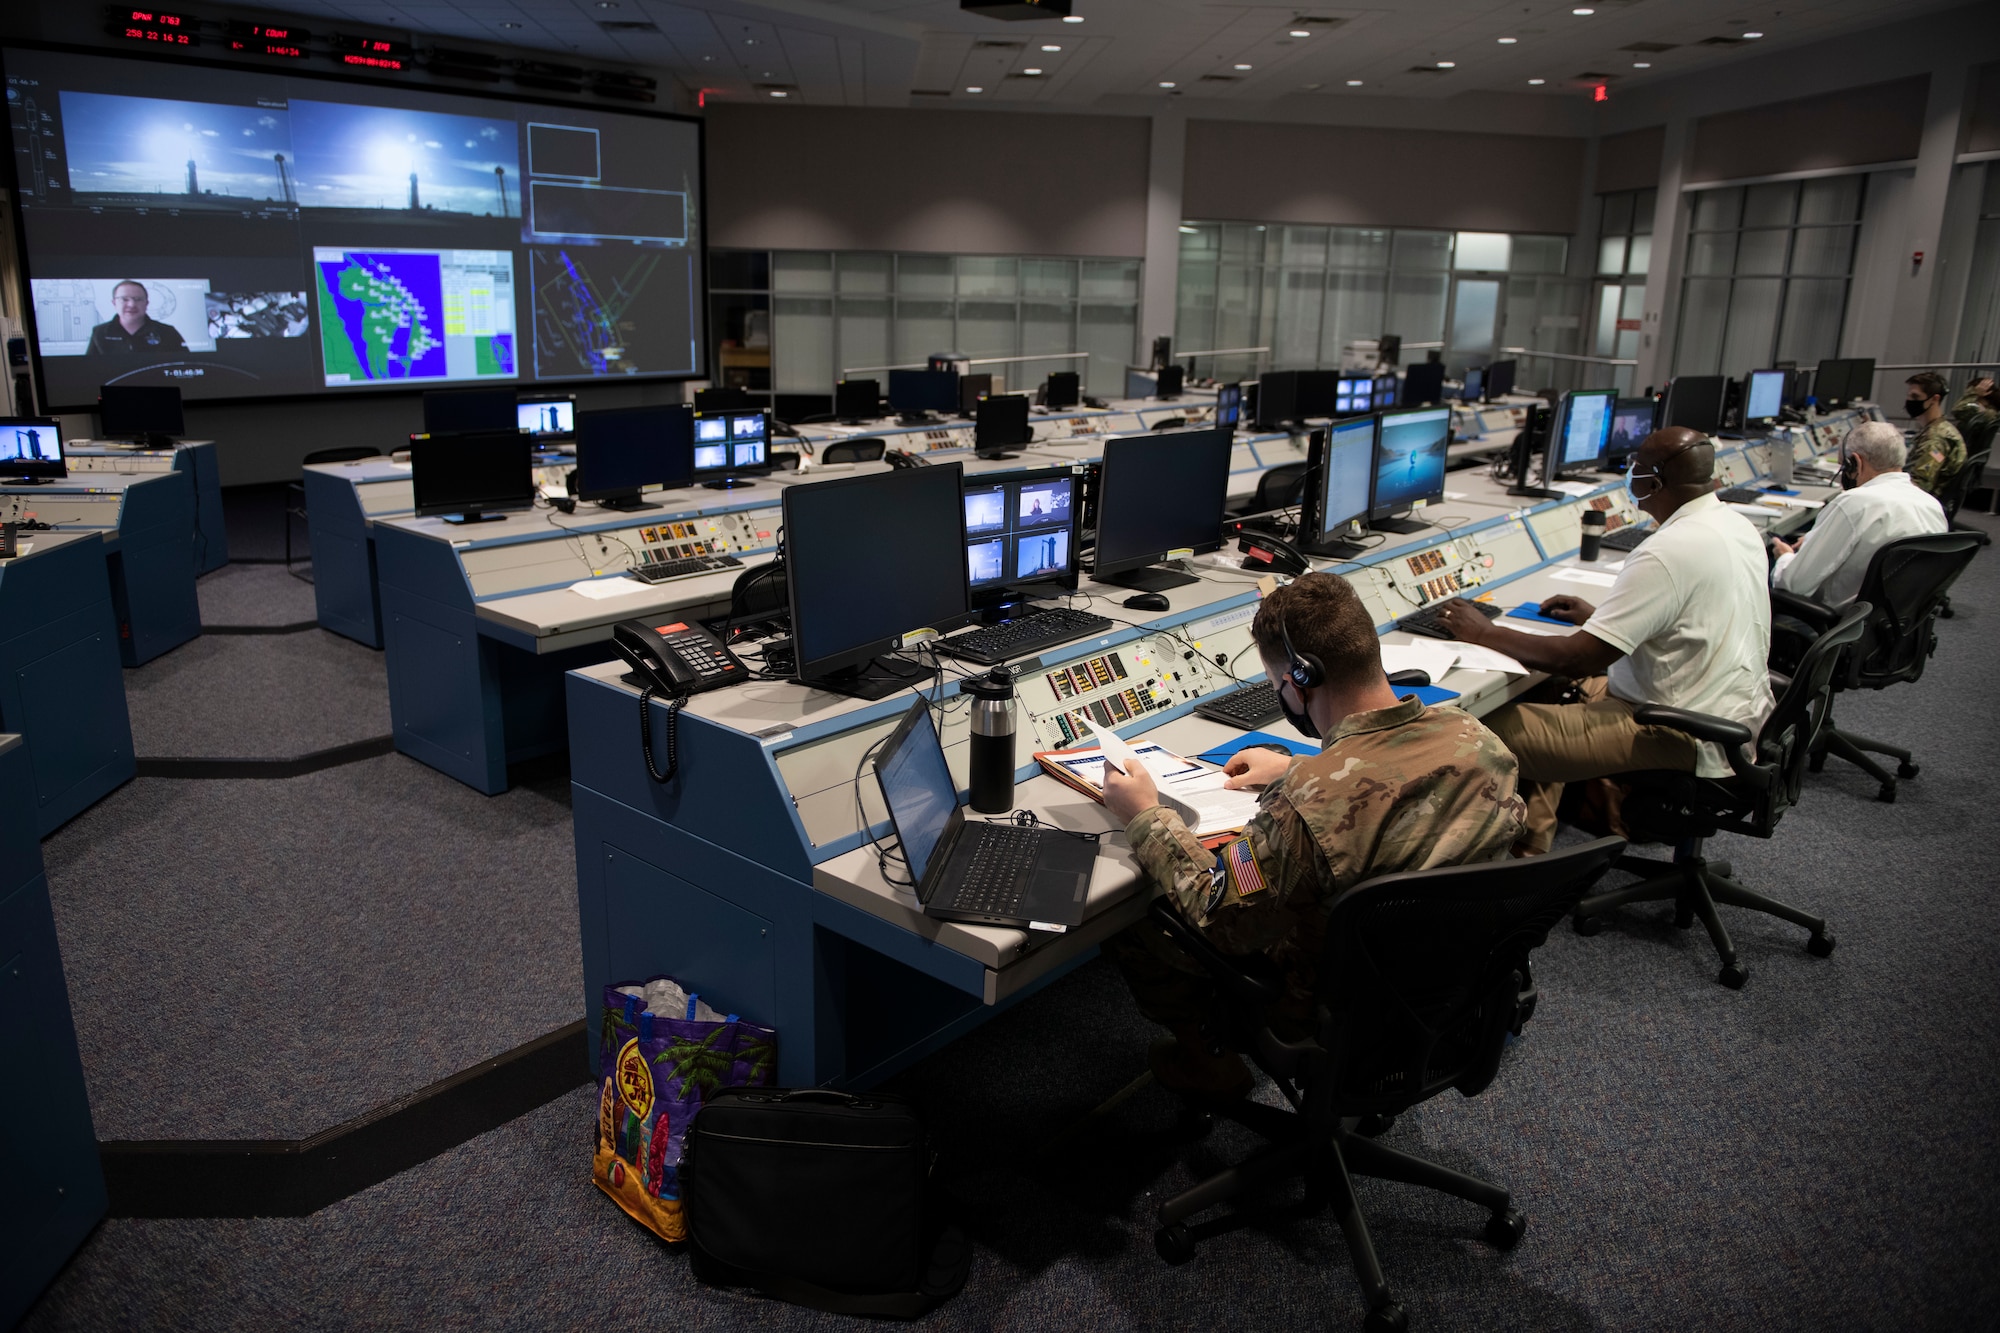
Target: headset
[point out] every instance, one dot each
(1305, 670)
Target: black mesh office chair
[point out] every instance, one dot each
(867, 449)
(1962, 482)
(295, 492)
(1686, 810)
(1906, 585)
(1280, 487)
(1423, 976)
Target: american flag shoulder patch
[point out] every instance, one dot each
(1241, 864)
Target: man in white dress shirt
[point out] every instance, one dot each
(1687, 625)
(1884, 506)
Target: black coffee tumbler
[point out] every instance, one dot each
(1593, 534)
(992, 741)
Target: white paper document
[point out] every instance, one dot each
(1432, 657)
(1590, 576)
(1472, 657)
(1204, 806)
(1575, 487)
(601, 589)
(1163, 764)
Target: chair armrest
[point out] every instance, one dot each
(1236, 983)
(1733, 737)
(1817, 614)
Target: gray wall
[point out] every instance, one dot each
(1630, 161)
(1880, 122)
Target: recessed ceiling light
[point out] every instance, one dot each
(1642, 64)
(1354, 83)
(1507, 41)
(1537, 80)
(1301, 32)
(779, 92)
(1312, 87)
(1072, 18)
(1166, 83)
(1243, 67)
(1447, 64)
(1584, 12)
(1753, 36)
(607, 4)
(516, 25)
(974, 88)
(1031, 70)
(1052, 48)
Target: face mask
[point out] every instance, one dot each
(1301, 720)
(1917, 406)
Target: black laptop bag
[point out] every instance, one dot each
(821, 1199)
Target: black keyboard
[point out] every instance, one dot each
(1249, 708)
(1427, 622)
(1626, 538)
(684, 568)
(995, 878)
(1740, 495)
(1029, 634)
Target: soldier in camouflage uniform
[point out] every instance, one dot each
(1939, 450)
(1398, 786)
(1976, 415)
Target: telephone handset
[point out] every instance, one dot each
(677, 659)
(902, 458)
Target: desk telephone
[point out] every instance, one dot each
(677, 659)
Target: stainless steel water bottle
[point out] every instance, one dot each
(992, 741)
(1593, 534)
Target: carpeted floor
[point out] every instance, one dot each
(1817, 1151)
(258, 696)
(240, 594)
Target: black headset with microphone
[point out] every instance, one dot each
(1305, 670)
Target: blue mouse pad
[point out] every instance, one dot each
(1221, 754)
(1532, 611)
(1778, 490)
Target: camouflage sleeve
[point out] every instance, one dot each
(1238, 896)
(1926, 457)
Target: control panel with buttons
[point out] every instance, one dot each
(1457, 566)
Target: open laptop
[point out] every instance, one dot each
(969, 870)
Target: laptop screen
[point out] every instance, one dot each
(917, 787)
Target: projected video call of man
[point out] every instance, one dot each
(242, 233)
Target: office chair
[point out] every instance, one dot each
(1170, 423)
(1962, 483)
(867, 449)
(1423, 976)
(295, 492)
(1685, 810)
(1279, 488)
(1905, 584)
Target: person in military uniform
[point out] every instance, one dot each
(1977, 414)
(1939, 450)
(1397, 786)
(133, 330)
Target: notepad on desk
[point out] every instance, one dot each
(1191, 790)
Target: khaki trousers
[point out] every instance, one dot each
(1557, 743)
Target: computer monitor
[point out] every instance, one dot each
(1169, 382)
(730, 447)
(916, 392)
(972, 388)
(1063, 388)
(869, 561)
(1798, 389)
(1423, 383)
(1158, 494)
(856, 401)
(1340, 474)
(153, 415)
(1353, 395)
(1764, 397)
(1002, 425)
(722, 400)
(1229, 405)
(452, 411)
(1631, 423)
(1537, 425)
(1409, 464)
(1694, 401)
(1472, 387)
(31, 450)
(622, 451)
(1387, 390)
(1582, 434)
(465, 476)
(549, 418)
(1278, 398)
(1021, 534)
(1843, 380)
(1499, 380)
(1318, 394)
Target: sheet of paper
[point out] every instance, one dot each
(1567, 574)
(1163, 764)
(1472, 657)
(1575, 487)
(1205, 806)
(1116, 751)
(1433, 657)
(601, 589)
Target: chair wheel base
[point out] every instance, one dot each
(1907, 770)
(1733, 975)
(1387, 1318)
(1506, 1227)
(1821, 945)
(1373, 1126)
(1887, 794)
(1817, 763)
(1586, 925)
(1173, 1243)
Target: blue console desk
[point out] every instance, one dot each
(147, 522)
(51, 1186)
(60, 682)
(194, 457)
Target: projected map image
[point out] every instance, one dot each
(415, 314)
(149, 151)
(603, 312)
(389, 159)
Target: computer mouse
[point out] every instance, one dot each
(1147, 601)
(1414, 676)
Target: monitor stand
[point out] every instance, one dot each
(1398, 525)
(474, 516)
(1336, 548)
(996, 456)
(625, 504)
(722, 484)
(924, 418)
(30, 481)
(875, 679)
(1534, 492)
(1150, 578)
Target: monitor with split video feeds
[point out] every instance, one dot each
(1695, 401)
(1002, 425)
(622, 452)
(1158, 494)
(1340, 472)
(1764, 397)
(1409, 464)
(1387, 389)
(1356, 394)
(1021, 534)
(854, 598)
(135, 412)
(464, 477)
(548, 417)
(450, 411)
(31, 450)
(1582, 434)
(1229, 405)
(1631, 423)
(730, 447)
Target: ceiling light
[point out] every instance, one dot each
(1072, 18)
(1243, 67)
(1447, 64)
(1642, 64)
(1752, 36)
(1031, 70)
(778, 92)
(510, 25)
(1584, 12)
(1507, 41)
(607, 4)
(1537, 80)
(1165, 83)
(1052, 48)
(1354, 83)
(1301, 32)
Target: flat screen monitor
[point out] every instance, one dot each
(1409, 462)
(1473, 386)
(854, 598)
(914, 392)
(1353, 394)
(1318, 393)
(1171, 378)
(1278, 398)
(454, 411)
(1157, 494)
(1021, 532)
(1423, 383)
(1062, 389)
(1387, 388)
(128, 411)
(260, 232)
(857, 400)
(551, 417)
(1764, 397)
(1844, 380)
(620, 452)
(1341, 473)
(1229, 405)
(1499, 380)
(1695, 401)
(1583, 432)
(466, 477)
(730, 446)
(722, 400)
(1631, 423)
(972, 388)
(1002, 424)
(31, 449)
(1798, 389)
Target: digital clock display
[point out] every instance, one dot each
(381, 48)
(154, 26)
(254, 33)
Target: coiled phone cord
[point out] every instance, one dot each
(674, 705)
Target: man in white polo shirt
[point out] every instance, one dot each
(1883, 506)
(1687, 625)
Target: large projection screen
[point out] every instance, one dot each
(244, 234)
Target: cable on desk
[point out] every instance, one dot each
(882, 854)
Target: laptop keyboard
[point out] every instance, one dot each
(994, 882)
(1029, 634)
(1427, 622)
